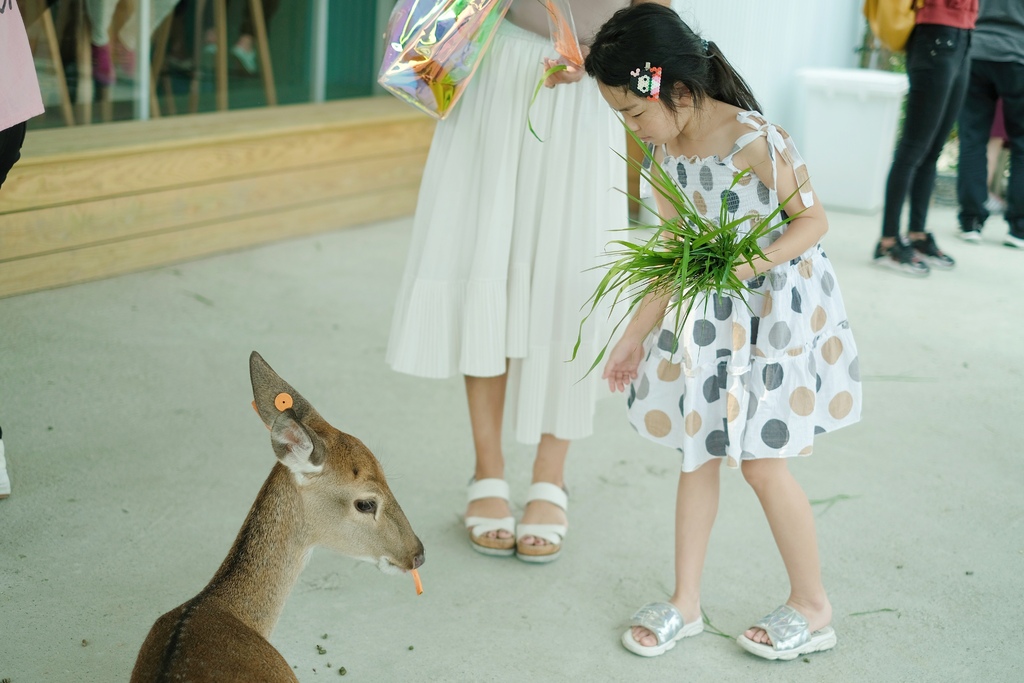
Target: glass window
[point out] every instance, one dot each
(95, 64)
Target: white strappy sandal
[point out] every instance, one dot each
(478, 526)
(554, 534)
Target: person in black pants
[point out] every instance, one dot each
(938, 67)
(997, 71)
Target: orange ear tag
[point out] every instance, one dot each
(283, 401)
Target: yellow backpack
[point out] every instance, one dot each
(892, 20)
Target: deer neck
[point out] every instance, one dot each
(267, 557)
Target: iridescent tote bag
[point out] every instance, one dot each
(433, 47)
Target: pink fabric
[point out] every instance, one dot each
(20, 99)
(955, 13)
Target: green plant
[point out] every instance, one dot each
(689, 256)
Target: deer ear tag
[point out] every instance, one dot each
(282, 402)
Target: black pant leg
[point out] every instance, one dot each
(1010, 84)
(11, 140)
(974, 127)
(937, 66)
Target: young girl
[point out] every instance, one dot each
(750, 387)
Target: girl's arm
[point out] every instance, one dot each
(804, 231)
(621, 367)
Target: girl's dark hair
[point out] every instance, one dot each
(649, 32)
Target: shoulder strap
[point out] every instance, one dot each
(778, 141)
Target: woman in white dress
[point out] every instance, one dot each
(504, 239)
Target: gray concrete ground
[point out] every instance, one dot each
(135, 455)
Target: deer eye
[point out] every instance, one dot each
(367, 506)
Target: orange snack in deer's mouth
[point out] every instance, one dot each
(416, 578)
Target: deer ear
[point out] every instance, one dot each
(294, 446)
(271, 394)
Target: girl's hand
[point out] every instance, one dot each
(571, 74)
(623, 361)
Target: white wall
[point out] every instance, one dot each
(769, 40)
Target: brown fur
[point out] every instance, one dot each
(309, 499)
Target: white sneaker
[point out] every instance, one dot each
(5, 482)
(1014, 241)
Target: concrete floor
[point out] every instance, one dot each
(134, 456)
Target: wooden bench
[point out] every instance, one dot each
(90, 203)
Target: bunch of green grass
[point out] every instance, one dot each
(688, 257)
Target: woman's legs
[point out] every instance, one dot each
(792, 524)
(486, 398)
(549, 467)
(937, 67)
(696, 508)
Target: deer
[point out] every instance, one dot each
(326, 489)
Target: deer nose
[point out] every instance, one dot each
(417, 561)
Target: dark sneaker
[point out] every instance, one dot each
(1014, 241)
(931, 254)
(901, 258)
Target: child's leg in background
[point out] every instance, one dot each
(696, 508)
(792, 522)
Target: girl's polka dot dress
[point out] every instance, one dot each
(750, 383)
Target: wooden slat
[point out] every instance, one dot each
(90, 263)
(76, 225)
(188, 131)
(120, 174)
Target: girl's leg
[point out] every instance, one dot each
(792, 523)
(101, 13)
(696, 507)
(486, 398)
(549, 466)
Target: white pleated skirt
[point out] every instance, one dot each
(507, 233)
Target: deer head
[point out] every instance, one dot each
(347, 504)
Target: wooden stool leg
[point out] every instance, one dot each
(58, 68)
(83, 55)
(220, 22)
(199, 39)
(262, 44)
(161, 38)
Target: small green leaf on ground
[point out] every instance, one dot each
(874, 611)
(711, 628)
(201, 299)
(829, 502)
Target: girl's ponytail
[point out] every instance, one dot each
(728, 85)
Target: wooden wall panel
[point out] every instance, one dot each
(93, 262)
(58, 228)
(79, 180)
(137, 195)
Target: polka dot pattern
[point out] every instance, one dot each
(668, 371)
(658, 424)
(754, 379)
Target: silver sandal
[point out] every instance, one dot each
(790, 635)
(665, 622)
